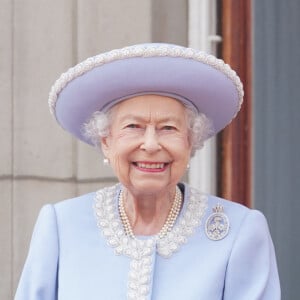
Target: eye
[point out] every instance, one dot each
(132, 126)
(168, 127)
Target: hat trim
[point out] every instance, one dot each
(147, 50)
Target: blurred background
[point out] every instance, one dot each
(255, 161)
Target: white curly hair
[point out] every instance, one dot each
(200, 127)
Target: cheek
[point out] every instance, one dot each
(120, 166)
(119, 143)
(180, 143)
(120, 156)
(182, 151)
(125, 141)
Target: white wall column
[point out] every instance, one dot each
(202, 36)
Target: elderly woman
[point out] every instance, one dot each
(149, 107)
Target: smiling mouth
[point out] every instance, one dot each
(151, 166)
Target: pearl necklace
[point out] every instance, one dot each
(172, 216)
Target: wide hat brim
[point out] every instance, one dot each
(192, 77)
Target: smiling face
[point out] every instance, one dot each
(148, 145)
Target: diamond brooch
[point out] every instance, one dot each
(217, 224)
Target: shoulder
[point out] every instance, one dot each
(76, 203)
(86, 200)
(232, 208)
(71, 210)
(241, 219)
(236, 211)
(246, 225)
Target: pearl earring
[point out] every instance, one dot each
(105, 161)
(187, 166)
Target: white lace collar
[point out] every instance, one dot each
(140, 251)
(106, 210)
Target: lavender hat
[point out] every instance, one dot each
(191, 76)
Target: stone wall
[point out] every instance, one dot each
(39, 162)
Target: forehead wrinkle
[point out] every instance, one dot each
(133, 117)
(152, 117)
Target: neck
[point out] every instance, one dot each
(148, 214)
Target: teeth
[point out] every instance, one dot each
(150, 166)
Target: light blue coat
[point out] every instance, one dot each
(79, 251)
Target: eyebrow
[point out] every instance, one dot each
(142, 119)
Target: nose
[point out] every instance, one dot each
(150, 141)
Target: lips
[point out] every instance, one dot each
(151, 166)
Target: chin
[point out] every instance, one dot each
(150, 187)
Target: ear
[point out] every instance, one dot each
(105, 146)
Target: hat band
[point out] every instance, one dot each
(180, 98)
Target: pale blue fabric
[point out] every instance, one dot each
(70, 259)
